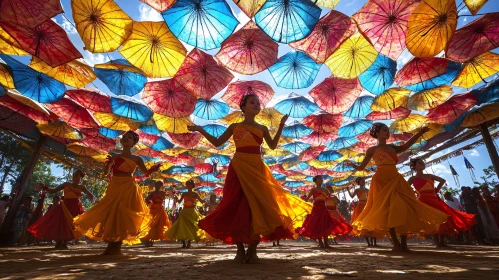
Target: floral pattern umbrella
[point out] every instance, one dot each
(30, 13)
(335, 95)
(452, 70)
(315, 138)
(159, 5)
(186, 140)
(73, 113)
(418, 70)
(311, 153)
(237, 90)
(397, 113)
(294, 70)
(451, 109)
(92, 99)
(169, 98)
(428, 99)
(324, 122)
(477, 69)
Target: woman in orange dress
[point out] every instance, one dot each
(57, 224)
(392, 205)
(160, 222)
(122, 215)
(254, 206)
(427, 193)
(362, 194)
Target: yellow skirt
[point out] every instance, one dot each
(186, 226)
(121, 215)
(393, 204)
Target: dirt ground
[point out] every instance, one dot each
(294, 260)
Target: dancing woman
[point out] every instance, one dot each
(362, 194)
(254, 206)
(160, 222)
(342, 227)
(392, 205)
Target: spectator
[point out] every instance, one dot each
(452, 201)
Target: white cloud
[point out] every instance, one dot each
(93, 59)
(403, 59)
(68, 26)
(474, 153)
(440, 169)
(149, 14)
(351, 3)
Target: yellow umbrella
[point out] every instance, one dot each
(6, 79)
(390, 99)
(174, 152)
(428, 99)
(276, 152)
(322, 164)
(100, 158)
(477, 69)
(347, 153)
(154, 49)
(430, 27)
(270, 118)
(412, 122)
(59, 129)
(173, 125)
(234, 117)
(362, 173)
(480, 114)
(113, 121)
(103, 26)
(82, 150)
(352, 58)
(435, 129)
(250, 7)
(289, 164)
(75, 73)
(9, 45)
(330, 4)
(474, 5)
(27, 101)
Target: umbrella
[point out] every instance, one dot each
(103, 26)
(83, 150)
(75, 73)
(112, 121)
(248, 51)
(324, 122)
(418, 70)
(367, 138)
(215, 130)
(331, 30)
(481, 114)
(24, 105)
(92, 99)
(29, 13)
(411, 123)
(237, 90)
(360, 108)
(186, 140)
(296, 106)
(121, 77)
(488, 93)
(294, 70)
(286, 21)
(379, 76)
(397, 113)
(110, 133)
(169, 98)
(430, 27)
(360, 147)
(296, 147)
(452, 71)
(352, 58)
(315, 138)
(209, 177)
(33, 84)
(335, 95)
(270, 118)
(234, 117)
(474, 5)
(427, 99)
(296, 130)
(202, 76)
(73, 113)
(130, 108)
(400, 137)
(342, 167)
(9, 45)
(173, 125)
(384, 23)
(159, 5)
(250, 7)
(179, 169)
(448, 111)
(355, 128)
(474, 39)
(342, 143)
(6, 79)
(162, 144)
(59, 129)
(99, 143)
(210, 109)
(220, 159)
(202, 24)
(293, 184)
(154, 49)
(330, 4)
(390, 99)
(310, 153)
(329, 156)
(146, 138)
(47, 41)
(434, 129)
(203, 168)
(477, 69)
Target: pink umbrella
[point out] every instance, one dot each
(311, 153)
(169, 98)
(99, 143)
(186, 140)
(418, 70)
(237, 90)
(397, 113)
(335, 95)
(146, 138)
(92, 99)
(73, 113)
(451, 109)
(316, 138)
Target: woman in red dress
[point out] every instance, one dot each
(343, 227)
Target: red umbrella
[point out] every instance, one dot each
(328, 34)
(29, 13)
(47, 41)
(313, 171)
(335, 95)
(248, 51)
(148, 152)
(311, 153)
(237, 90)
(186, 140)
(169, 98)
(73, 113)
(367, 138)
(451, 109)
(474, 39)
(397, 113)
(18, 107)
(384, 23)
(203, 168)
(201, 75)
(360, 147)
(146, 138)
(324, 122)
(399, 137)
(99, 143)
(159, 5)
(418, 70)
(316, 138)
(92, 99)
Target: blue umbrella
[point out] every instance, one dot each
(296, 106)
(489, 93)
(296, 147)
(172, 180)
(360, 108)
(418, 146)
(220, 159)
(130, 108)
(2, 90)
(286, 21)
(342, 182)
(296, 131)
(204, 24)
(270, 160)
(148, 159)
(379, 76)
(215, 130)
(452, 70)
(294, 70)
(179, 169)
(211, 109)
(205, 189)
(456, 124)
(288, 158)
(301, 166)
(110, 133)
(34, 84)
(342, 167)
(150, 128)
(355, 128)
(209, 177)
(342, 142)
(279, 176)
(293, 184)
(162, 144)
(329, 156)
(121, 77)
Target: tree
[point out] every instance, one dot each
(489, 178)
(13, 158)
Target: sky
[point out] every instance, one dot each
(141, 12)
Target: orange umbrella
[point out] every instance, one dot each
(411, 123)
(477, 69)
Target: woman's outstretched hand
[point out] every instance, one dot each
(194, 128)
(283, 120)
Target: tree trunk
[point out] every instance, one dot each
(6, 173)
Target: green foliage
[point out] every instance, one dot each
(489, 179)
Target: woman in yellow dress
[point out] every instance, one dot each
(254, 206)
(392, 205)
(160, 222)
(185, 228)
(121, 216)
(362, 194)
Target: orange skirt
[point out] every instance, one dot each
(159, 224)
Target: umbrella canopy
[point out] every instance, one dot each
(331, 30)
(342, 143)
(310, 153)
(220, 159)
(59, 129)
(73, 113)
(154, 49)
(452, 71)
(23, 105)
(481, 114)
(202, 76)
(112, 121)
(8, 45)
(6, 79)
(169, 98)
(418, 70)
(30, 13)
(83, 149)
(121, 77)
(237, 90)
(360, 108)
(411, 123)
(352, 58)
(477, 69)
(355, 128)
(329, 156)
(296, 106)
(270, 118)
(99, 143)
(179, 169)
(367, 138)
(202, 24)
(215, 130)
(397, 113)
(379, 76)
(103, 26)
(173, 125)
(186, 140)
(330, 4)
(431, 26)
(248, 51)
(130, 108)
(159, 5)
(434, 129)
(296, 147)
(286, 21)
(75, 73)
(250, 7)
(324, 122)
(92, 99)
(210, 109)
(294, 70)
(451, 109)
(297, 130)
(390, 99)
(109, 133)
(335, 95)
(234, 117)
(474, 5)
(428, 99)
(488, 93)
(162, 144)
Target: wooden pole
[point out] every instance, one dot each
(5, 231)
(491, 148)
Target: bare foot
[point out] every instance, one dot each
(188, 245)
(108, 249)
(116, 249)
(251, 256)
(405, 248)
(240, 256)
(396, 249)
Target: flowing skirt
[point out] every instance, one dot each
(342, 226)
(57, 224)
(121, 215)
(186, 226)
(393, 204)
(254, 207)
(320, 223)
(159, 224)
